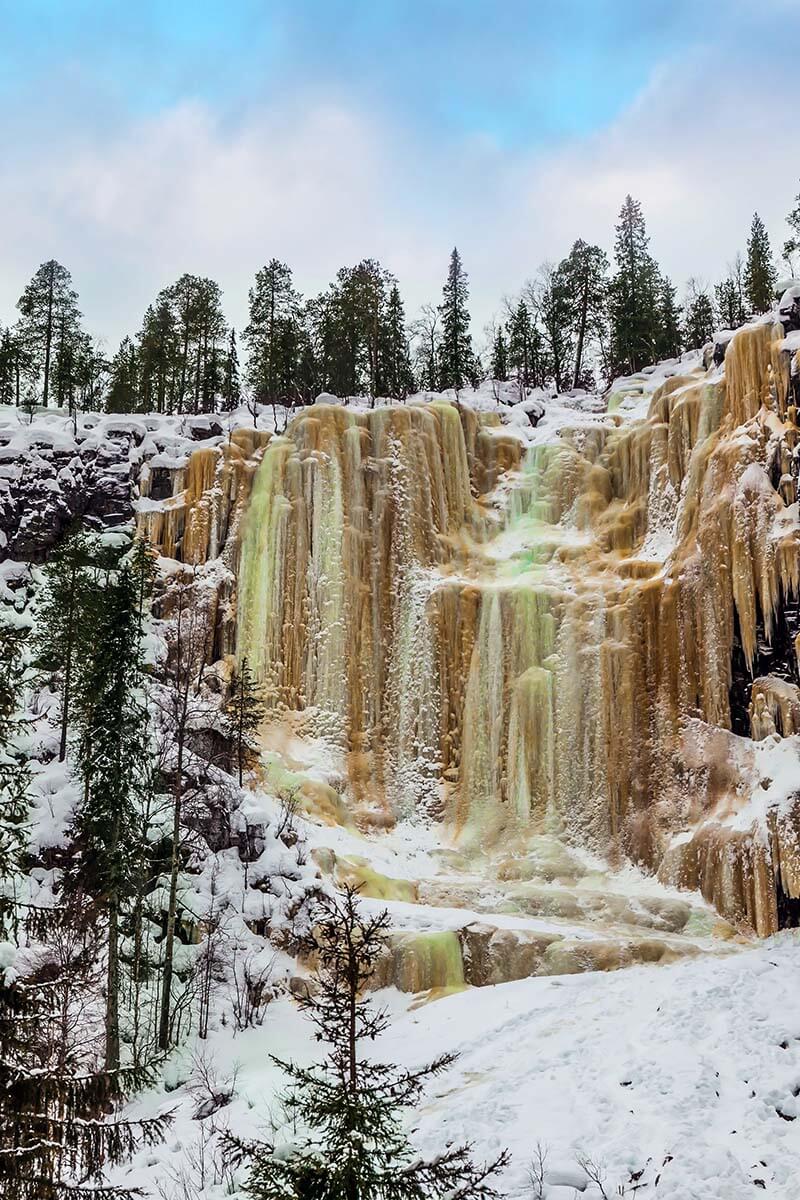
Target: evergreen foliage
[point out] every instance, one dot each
(551, 302)
(15, 366)
(180, 347)
(669, 341)
(457, 366)
(634, 293)
(123, 384)
(245, 711)
(760, 275)
(499, 366)
(352, 1144)
(525, 347)
(231, 383)
(112, 753)
(700, 319)
(791, 246)
(13, 772)
(52, 1128)
(61, 618)
(397, 376)
(49, 327)
(273, 335)
(583, 277)
(729, 296)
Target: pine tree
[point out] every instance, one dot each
(760, 275)
(700, 320)
(792, 245)
(456, 358)
(349, 1110)
(61, 615)
(633, 294)
(245, 712)
(668, 339)
(122, 395)
(49, 316)
(499, 365)
(584, 277)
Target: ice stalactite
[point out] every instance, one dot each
(208, 495)
(351, 513)
(572, 654)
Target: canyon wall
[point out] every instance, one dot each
(588, 630)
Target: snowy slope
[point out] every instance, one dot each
(681, 1072)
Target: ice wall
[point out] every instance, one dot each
(564, 654)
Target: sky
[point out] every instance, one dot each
(139, 141)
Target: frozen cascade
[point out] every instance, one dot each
(552, 658)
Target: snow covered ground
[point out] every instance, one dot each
(688, 1074)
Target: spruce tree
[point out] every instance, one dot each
(113, 748)
(348, 1111)
(61, 619)
(700, 320)
(53, 1126)
(123, 384)
(633, 295)
(499, 366)
(231, 383)
(760, 275)
(396, 377)
(245, 711)
(457, 366)
(668, 337)
(525, 347)
(15, 366)
(48, 310)
(53, 1099)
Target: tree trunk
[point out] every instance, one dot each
(112, 987)
(172, 908)
(581, 331)
(62, 749)
(48, 337)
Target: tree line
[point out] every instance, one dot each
(577, 323)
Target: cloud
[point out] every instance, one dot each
(323, 183)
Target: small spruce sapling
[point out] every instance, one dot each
(244, 711)
(352, 1144)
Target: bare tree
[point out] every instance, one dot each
(427, 334)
